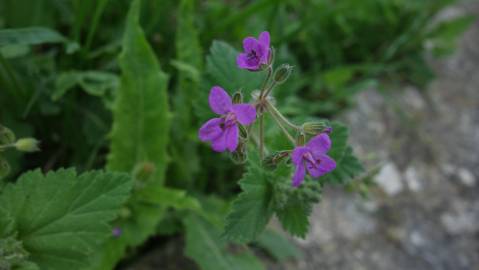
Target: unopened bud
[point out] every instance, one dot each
(243, 132)
(282, 73)
(27, 145)
(4, 168)
(240, 155)
(237, 97)
(6, 135)
(300, 139)
(271, 161)
(314, 128)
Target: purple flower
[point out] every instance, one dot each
(116, 232)
(312, 157)
(256, 52)
(222, 132)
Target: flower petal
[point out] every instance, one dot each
(264, 39)
(324, 165)
(242, 61)
(220, 101)
(232, 138)
(211, 129)
(299, 174)
(219, 144)
(320, 144)
(298, 153)
(245, 113)
(249, 44)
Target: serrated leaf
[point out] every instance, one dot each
(339, 139)
(347, 169)
(62, 218)
(278, 246)
(253, 208)
(294, 216)
(189, 65)
(205, 246)
(139, 134)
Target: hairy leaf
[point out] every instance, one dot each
(205, 246)
(294, 216)
(139, 135)
(62, 218)
(253, 208)
(347, 168)
(278, 246)
(339, 139)
(189, 65)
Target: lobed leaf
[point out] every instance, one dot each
(62, 218)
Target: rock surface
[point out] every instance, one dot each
(424, 214)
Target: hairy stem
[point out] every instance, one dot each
(265, 82)
(283, 128)
(272, 109)
(261, 136)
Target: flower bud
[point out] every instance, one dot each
(4, 168)
(240, 155)
(314, 128)
(300, 139)
(271, 161)
(27, 145)
(243, 132)
(237, 97)
(6, 135)
(282, 73)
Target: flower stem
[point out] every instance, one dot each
(285, 131)
(272, 109)
(265, 82)
(261, 136)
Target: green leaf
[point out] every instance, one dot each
(254, 206)
(95, 83)
(347, 168)
(339, 139)
(444, 36)
(205, 246)
(189, 64)
(140, 116)
(222, 70)
(61, 218)
(278, 246)
(139, 135)
(33, 36)
(294, 215)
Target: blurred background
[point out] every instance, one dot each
(402, 74)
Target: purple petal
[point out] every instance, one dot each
(320, 144)
(220, 101)
(242, 61)
(249, 44)
(264, 39)
(245, 113)
(232, 138)
(211, 129)
(299, 174)
(298, 153)
(219, 144)
(324, 165)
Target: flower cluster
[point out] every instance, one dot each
(224, 131)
